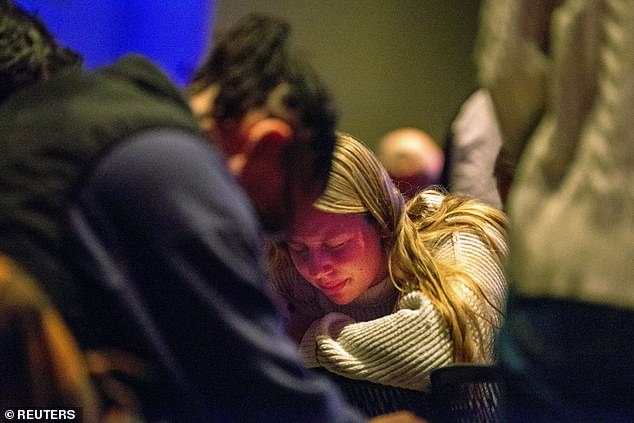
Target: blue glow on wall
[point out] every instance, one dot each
(175, 34)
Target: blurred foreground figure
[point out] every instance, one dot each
(127, 218)
(412, 159)
(561, 76)
(471, 150)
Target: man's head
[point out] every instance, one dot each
(28, 51)
(269, 114)
(412, 159)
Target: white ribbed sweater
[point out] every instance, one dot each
(390, 341)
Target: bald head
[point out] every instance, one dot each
(412, 158)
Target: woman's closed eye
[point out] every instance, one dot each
(336, 245)
(296, 247)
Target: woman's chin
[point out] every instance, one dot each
(342, 299)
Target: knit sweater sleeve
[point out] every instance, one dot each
(297, 302)
(402, 348)
(399, 349)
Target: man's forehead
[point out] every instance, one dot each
(201, 102)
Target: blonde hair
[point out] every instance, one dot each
(358, 183)
(412, 265)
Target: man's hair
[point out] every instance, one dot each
(28, 51)
(250, 60)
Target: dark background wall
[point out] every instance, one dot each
(389, 63)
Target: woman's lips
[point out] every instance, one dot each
(333, 289)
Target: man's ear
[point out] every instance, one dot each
(266, 136)
(272, 131)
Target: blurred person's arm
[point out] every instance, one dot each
(475, 142)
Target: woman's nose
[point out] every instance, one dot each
(319, 264)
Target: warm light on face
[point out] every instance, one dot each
(228, 137)
(339, 254)
(200, 103)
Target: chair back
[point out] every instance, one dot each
(375, 399)
(462, 393)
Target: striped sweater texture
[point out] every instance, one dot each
(397, 341)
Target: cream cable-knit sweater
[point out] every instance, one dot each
(397, 342)
(571, 206)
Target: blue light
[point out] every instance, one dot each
(174, 34)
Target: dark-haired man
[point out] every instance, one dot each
(130, 221)
(267, 111)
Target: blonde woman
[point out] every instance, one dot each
(384, 291)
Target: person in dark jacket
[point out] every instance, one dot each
(151, 250)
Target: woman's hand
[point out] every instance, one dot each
(398, 417)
